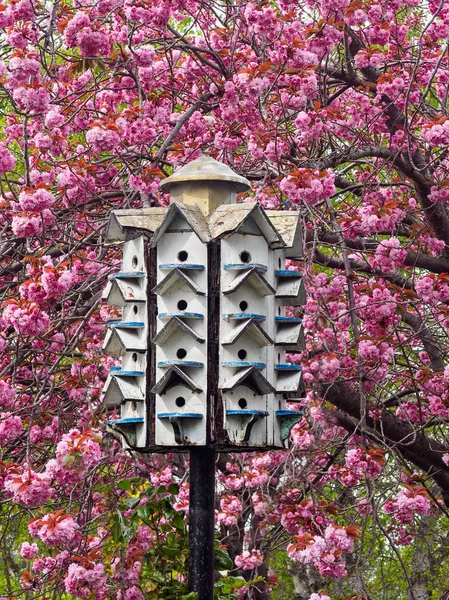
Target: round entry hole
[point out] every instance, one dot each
(182, 305)
(135, 261)
(243, 305)
(245, 256)
(242, 403)
(180, 401)
(242, 354)
(181, 353)
(183, 256)
(134, 356)
(280, 262)
(135, 309)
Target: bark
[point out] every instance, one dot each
(414, 446)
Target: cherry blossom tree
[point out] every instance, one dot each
(338, 109)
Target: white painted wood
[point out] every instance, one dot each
(194, 429)
(178, 343)
(242, 398)
(134, 256)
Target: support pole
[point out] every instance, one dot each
(201, 522)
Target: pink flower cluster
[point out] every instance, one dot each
(408, 503)
(27, 318)
(231, 508)
(75, 454)
(10, 428)
(308, 186)
(324, 552)
(7, 160)
(433, 289)
(54, 529)
(249, 560)
(88, 581)
(28, 487)
(389, 255)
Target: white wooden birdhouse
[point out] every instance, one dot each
(205, 331)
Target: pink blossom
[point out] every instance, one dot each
(29, 319)
(7, 394)
(103, 140)
(36, 201)
(32, 225)
(28, 487)
(407, 503)
(10, 428)
(249, 560)
(28, 551)
(82, 582)
(54, 529)
(231, 508)
(7, 160)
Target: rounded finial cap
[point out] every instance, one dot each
(206, 168)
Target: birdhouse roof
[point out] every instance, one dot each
(288, 226)
(229, 218)
(193, 216)
(206, 168)
(127, 223)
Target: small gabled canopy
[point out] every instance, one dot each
(291, 335)
(118, 341)
(175, 324)
(251, 378)
(254, 331)
(292, 290)
(288, 225)
(173, 377)
(229, 218)
(127, 223)
(290, 382)
(191, 214)
(119, 291)
(183, 280)
(254, 279)
(117, 391)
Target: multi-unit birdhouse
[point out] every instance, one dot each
(204, 330)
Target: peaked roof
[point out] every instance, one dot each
(191, 213)
(287, 224)
(291, 335)
(117, 390)
(254, 329)
(228, 218)
(293, 290)
(290, 382)
(174, 376)
(252, 378)
(120, 291)
(174, 276)
(255, 280)
(126, 223)
(175, 324)
(118, 341)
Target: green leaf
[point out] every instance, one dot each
(132, 502)
(179, 523)
(191, 596)
(124, 484)
(116, 531)
(173, 488)
(173, 551)
(223, 561)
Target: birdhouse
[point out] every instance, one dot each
(204, 332)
